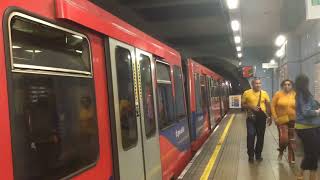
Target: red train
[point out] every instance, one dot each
(87, 96)
(204, 88)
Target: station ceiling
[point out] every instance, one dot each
(201, 28)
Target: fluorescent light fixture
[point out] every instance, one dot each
(272, 61)
(238, 48)
(240, 63)
(232, 4)
(237, 39)
(280, 40)
(239, 55)
(78, 51)
(33, 51)
(76, 36)
(16, 47)
(235, 25)
(319, 44)
(280, 53)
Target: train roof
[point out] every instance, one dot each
(199, 68)
(93, 17)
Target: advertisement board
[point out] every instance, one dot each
(235, 101)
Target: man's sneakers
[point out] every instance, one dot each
(258, 158)
(251, 160)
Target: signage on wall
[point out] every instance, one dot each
(313, 9)
(247, 71)
(315, 2)
(269, 65)
(235, 101)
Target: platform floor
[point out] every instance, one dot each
(231, 163)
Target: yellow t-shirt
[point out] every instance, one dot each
(251, 98)
(283, 106)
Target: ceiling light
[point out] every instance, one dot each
(78, 37)
(235, 25)
(237, 39)
(78, 51)
(29, 51)
(239, 55)
(232, 4)
(280, 53)
(238, 48)
(272, 61)
(240, 63)
(37, 51)
(16, 47)
(319, 44)
(280, 40)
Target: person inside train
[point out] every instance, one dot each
(284, 114)
(86, 116)
(42, 122)
(307, 126)
(257, 103)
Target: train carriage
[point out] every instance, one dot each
(204, 101)
(87, 96)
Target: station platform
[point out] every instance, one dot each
(224, 155)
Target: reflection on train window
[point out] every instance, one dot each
(53, 118)
(42, 47)
(147, 94)
(204, 102)
(165, 98)
(127, 110)
(198, 93)
(179, 92)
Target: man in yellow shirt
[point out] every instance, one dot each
(257, 104)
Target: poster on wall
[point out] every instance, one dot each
(235, 102)
(247, 71)
(312, 9)
(317, 82)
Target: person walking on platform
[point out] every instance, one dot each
(257, 104)
(283, 110)
(307, 126)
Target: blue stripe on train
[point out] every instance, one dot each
(197, 121)
(178, 134)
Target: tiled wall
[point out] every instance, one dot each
(303, 53)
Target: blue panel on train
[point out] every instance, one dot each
(178, 135)
(196, 125)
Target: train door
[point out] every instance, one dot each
(204, 97)
(149, 127)
(136, 129)
(211, 104)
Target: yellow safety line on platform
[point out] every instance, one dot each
(216, 151)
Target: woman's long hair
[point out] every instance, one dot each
(302, 87)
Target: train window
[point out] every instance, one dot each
(127, 110)
(44, 47)
(204, 102)
(53, 118)
(163, 72)
(147, 94)
(165, 98)
(198, 93)
(179, 93)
